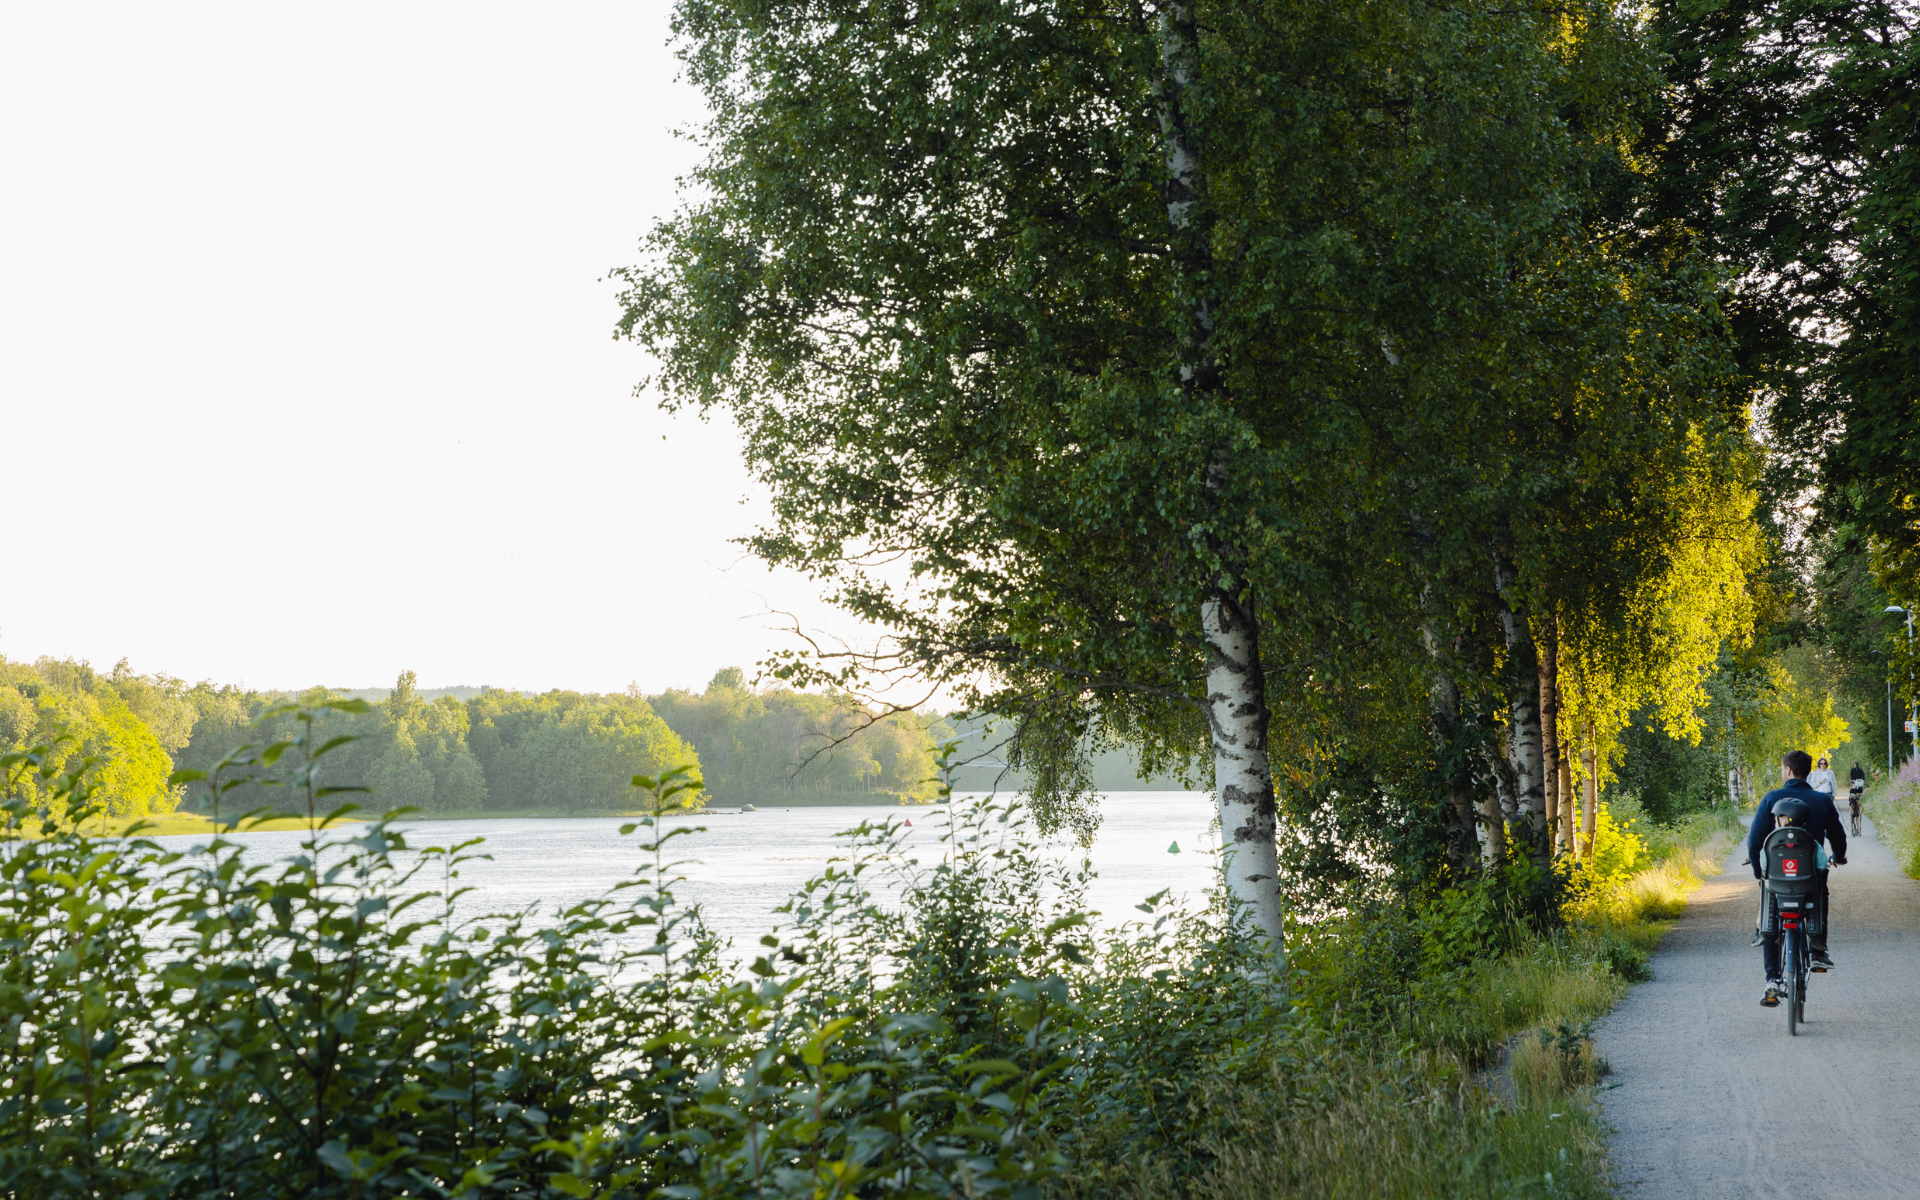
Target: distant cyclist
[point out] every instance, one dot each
(1823, 822)
(1856, 788)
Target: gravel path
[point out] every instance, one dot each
(1714, 1099)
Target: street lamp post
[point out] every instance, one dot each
(1913, 722)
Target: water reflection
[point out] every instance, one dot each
(744, 865)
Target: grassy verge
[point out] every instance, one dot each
(1404, 1129)
(1893, 805)
(1480, 1078)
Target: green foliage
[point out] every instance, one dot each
(1411, 974)
(564, 750)
(1554, 1062)
(1858, 637)
(1875, 462)
(1390, 334)
(1779, 120)
(497, 750)
(202, 1023)
(81, 717)
(1669, 777)
(762, 745)
(1783, 148)
(1619, 853)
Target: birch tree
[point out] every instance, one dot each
(1121, 359)
(1656, 647)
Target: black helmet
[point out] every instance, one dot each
(1795, 811)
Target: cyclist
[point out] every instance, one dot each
(1788, 811)
(1815, 810)
(1856, 788)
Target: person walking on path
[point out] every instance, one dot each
(1823, 822)
(1822, 779)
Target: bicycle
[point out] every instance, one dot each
(1791, 886)
(1853, 802)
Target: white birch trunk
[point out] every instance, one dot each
(1548, 646)
(1733, 765)
(1443, 705)
(1186, 178)
(1243, 779)
(1525, 776)
(1590, 801)
(1524, 764)
(1236, 683)
(1443, 698)
(1564, 839)
(1506, 786)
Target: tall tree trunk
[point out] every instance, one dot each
(1590, 805)
(1186, 180)
(1567, 809)
(1524, 760)
(1443, 702)
(1449, 754)
(1733, 764)
(1243, 779)
(1550, 729)
(1490, 825)
(1236, 681)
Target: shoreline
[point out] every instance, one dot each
(177, 824)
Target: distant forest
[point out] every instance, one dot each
(480, 749)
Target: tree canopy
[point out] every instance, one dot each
(1261, 382)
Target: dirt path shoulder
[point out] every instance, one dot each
(1715, 1100)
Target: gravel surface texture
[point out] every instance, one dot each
(1714, 1099)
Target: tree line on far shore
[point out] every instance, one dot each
(451, 750)
(496, 750)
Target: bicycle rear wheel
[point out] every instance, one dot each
(1804, 973)
(1790, 951)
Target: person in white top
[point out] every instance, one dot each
(1822, 779)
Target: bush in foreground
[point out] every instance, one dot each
(198, 1024)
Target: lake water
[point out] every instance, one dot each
(744, 865)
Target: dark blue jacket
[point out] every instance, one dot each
(1823, 820)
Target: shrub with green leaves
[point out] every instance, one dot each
(201, 1023)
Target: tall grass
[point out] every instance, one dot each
(1410, 1129)
(1556, 987)
(1893, 804)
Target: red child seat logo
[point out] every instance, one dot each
(1790, 866)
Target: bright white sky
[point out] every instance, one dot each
(309, 301)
